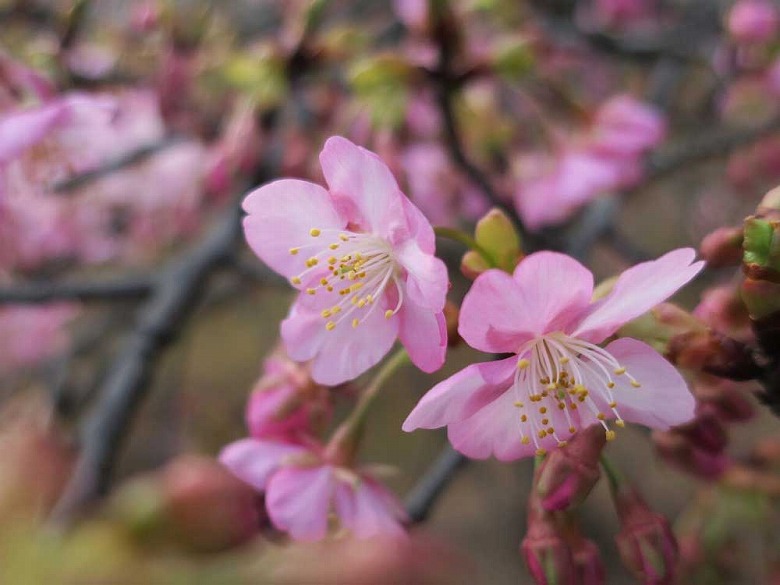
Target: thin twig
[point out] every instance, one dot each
(46, 292)
(432, 484)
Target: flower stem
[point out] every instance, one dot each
(465, 239)
(614, 476)
(343, 445)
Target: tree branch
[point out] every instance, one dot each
(46, 292)
(432, 484)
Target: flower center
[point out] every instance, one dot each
(355, 269)
(556, 372)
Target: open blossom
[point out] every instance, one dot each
(362, 256)
(303, 485)
(753, 21)
(559, 380)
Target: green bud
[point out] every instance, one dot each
(497, 236)
(761, 246)
(513, 58)
(260, 74)
(380, 82)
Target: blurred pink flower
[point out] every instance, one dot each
(285, 401)
(440, 191)
(32, 334)
(603, 158)
(302, 486)
(752, 21)
(560, 380)
(363, 257)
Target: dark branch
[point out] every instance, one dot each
(45, 292)
(173, 300)
(432, 484)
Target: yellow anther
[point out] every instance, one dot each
(332, 260)
(620, 423)
(545, 421)
(343, 237)
(329, 288)
(334, 246)
(543, 409)
(355, 323)
(323, 281)
(610, 435)
(525, 440)
(314, 232)
(312, 262)
(552, 386)
(562, 443)
(294, 251)
(620, 371)
(519, 404)
(310, 291)
(369, 299)
(610, 385)
(600, 416)
(542, 434)
(336, 309)
(612, 404)
(325, 313)
(523, 364)
(572, 430)
(561, 406)
(295, 280)
(388, 314)
(564, 360)
(361, 303)
(523, 418)
(541, 452)
(635, 384)
(330, 325)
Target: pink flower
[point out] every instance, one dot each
(302, 487)
(626, 127)
(752, 21)
(285, 401)
(33, 334)
(560, 380)
(362, 255)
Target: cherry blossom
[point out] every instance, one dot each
(560, 379)
(362, 256)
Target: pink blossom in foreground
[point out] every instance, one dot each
(603, 158)
(303, 485)
(752, 21)
(362, 256)
(560, 379)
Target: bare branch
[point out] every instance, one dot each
(46, 292)
(432, 484)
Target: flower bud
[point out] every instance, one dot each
(722, 309)
(499, 243)
(678, 451)
(723, 399)
(194, 501)
(752, 21)
(588, 567)
(645, 542)
(568, 474)
(723, 247)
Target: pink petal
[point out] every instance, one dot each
(427, 279)
(492, 430)
(298, 501)
(418, 227)
(547, 292)
(461, 395)
(638, 290)
(343, 353)
(662, 401)
(364, 185)
(368, 509)
(424, 335)
(253, 461)
(281, 215)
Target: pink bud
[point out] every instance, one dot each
(680, 453)
(752, 21)
(208, 509)
(567, 475)
(723, 247)
(645, 542)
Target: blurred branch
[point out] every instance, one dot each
(432, 484)
(174, 298)
(45, 292)
(126, 160)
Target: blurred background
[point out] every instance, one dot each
(135, 320)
